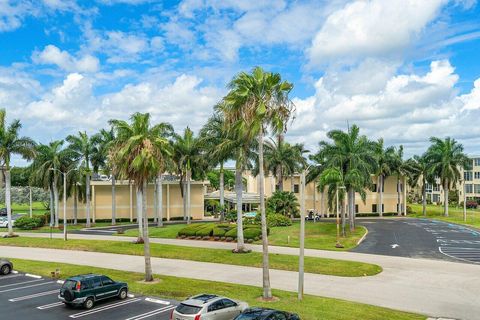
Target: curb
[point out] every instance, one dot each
(364, 236)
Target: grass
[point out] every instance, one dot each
(310, 308)
(36, 206)
(321, 236)
(455, 214)
(71, 227)
(253, 259)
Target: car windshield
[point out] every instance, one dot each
(69, 284)
(248, 316)
(187, 309)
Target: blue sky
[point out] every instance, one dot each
(402, 69)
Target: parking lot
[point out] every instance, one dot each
(24, 296)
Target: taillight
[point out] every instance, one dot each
(171, 314)
(77, 287)
(197, 317)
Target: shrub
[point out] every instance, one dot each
(409, 210)
(278, 220)
(219, 232)
(27, 223)
(231, 216)
(284, 202)
(191, 230)
(471, 204)
(231, 233)
(252, 233)
(205, 231)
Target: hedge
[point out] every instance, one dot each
(252, 233)
(27, 223)
(191, 230)
(278, 220)
(221, 231)
(205, 231)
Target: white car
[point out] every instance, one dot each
(4, 222)
(208, 307)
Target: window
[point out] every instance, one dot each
(70, 284)
(107, 281)
(187, 309)
(216, 306)
(476, 188)
(227, 303)
(436, 198)
(469, 188)
(374, 208)
(428, 188)
(468, 175)
(374, 189)
(277, 316)
(356, 208)
(476, 162)
(436, 187)
(86, 285)
(477, 175)
(295, 188)
(97, 282)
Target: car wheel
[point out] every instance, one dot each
(5, 269)
(88, 304)
(123, 294)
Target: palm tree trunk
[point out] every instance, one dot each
(351, 208)
(399, 203)
(139, 214)
(8, 200)
(380, 208)
(75, 204)
(52, 204)
(146, 240)
(267, 290)
(445, 195)
(280, 178)
(189, 201)
(322, 206)
(222, 194)
(114, 202)
(55, 192)
(159, 201)
(184, 194)
(344, 220)
(87, 195)
(424, 199)
(239, 190)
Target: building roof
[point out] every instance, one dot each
(247, 197)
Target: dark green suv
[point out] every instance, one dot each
(85, 290)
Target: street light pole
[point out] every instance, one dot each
(65, 174)
(301, 275)
(464, 201)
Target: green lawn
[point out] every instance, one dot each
(36, 206)
(277, 261)
(310, 308)
(71, 227)
(455, 214)
(321, 235)
(317, 235)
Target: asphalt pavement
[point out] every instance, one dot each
(30, 297)
(421, 238)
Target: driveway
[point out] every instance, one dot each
(421, 238)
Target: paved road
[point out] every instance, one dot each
(25, 297)
(421, 238)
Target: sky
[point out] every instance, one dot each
(403, 70)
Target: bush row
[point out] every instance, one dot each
(219, 231)
(27, 223)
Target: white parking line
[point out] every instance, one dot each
(10, 276)
(19, 283)
(157, 301)
(151, 313)
(35, 295)
(51, 305)
(100, 309)
(24, 287)
(33, 275)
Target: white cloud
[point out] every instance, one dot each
(372, 28)
(12, 14)
(53, 55)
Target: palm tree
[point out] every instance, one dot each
(139, 153)
(400, 169)
(334, 181)
(102, 145)
(219, 143)
(385, 165)
(83, 147)
(280, 159)
(317, 167)
(354, 156)
(257, 102)
(187, 158)
(418, 169)
(446, 158)
(12, 144)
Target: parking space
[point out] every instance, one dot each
(24, 296)
(421, 238)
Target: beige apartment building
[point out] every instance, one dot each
(318, 202)
(125, 199)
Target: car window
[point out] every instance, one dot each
(216, 306)
(187, 309)
(107, 281)
(247, 316)
(227, 303)
(277, 316)
(97, 282)
(85, 284)
(70, 284)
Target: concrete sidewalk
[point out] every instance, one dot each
(434, 288)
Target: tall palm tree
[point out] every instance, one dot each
(418, 169)
(102, 145)
(446, 159)
(187, 156)
(317, 167)
(385, 157)
(83, 147)
(258, 102)
(400, 169)
(219, 143)
(139, 153)
(334, 181)
(280, 159)
(12, 144)
(354, 155)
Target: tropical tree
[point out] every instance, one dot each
(258, 102)
(83, 147)
(11, 143)
(283, 202)
(333, 180)
(317, 166)
(418, 169)
(217, 140)
(354, 156)
(446, 159)
(400, 168)
(385, 157)
(139, 153)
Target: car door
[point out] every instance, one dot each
(97, 288)
(110, 288)
(230, 309)
(214, 311)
